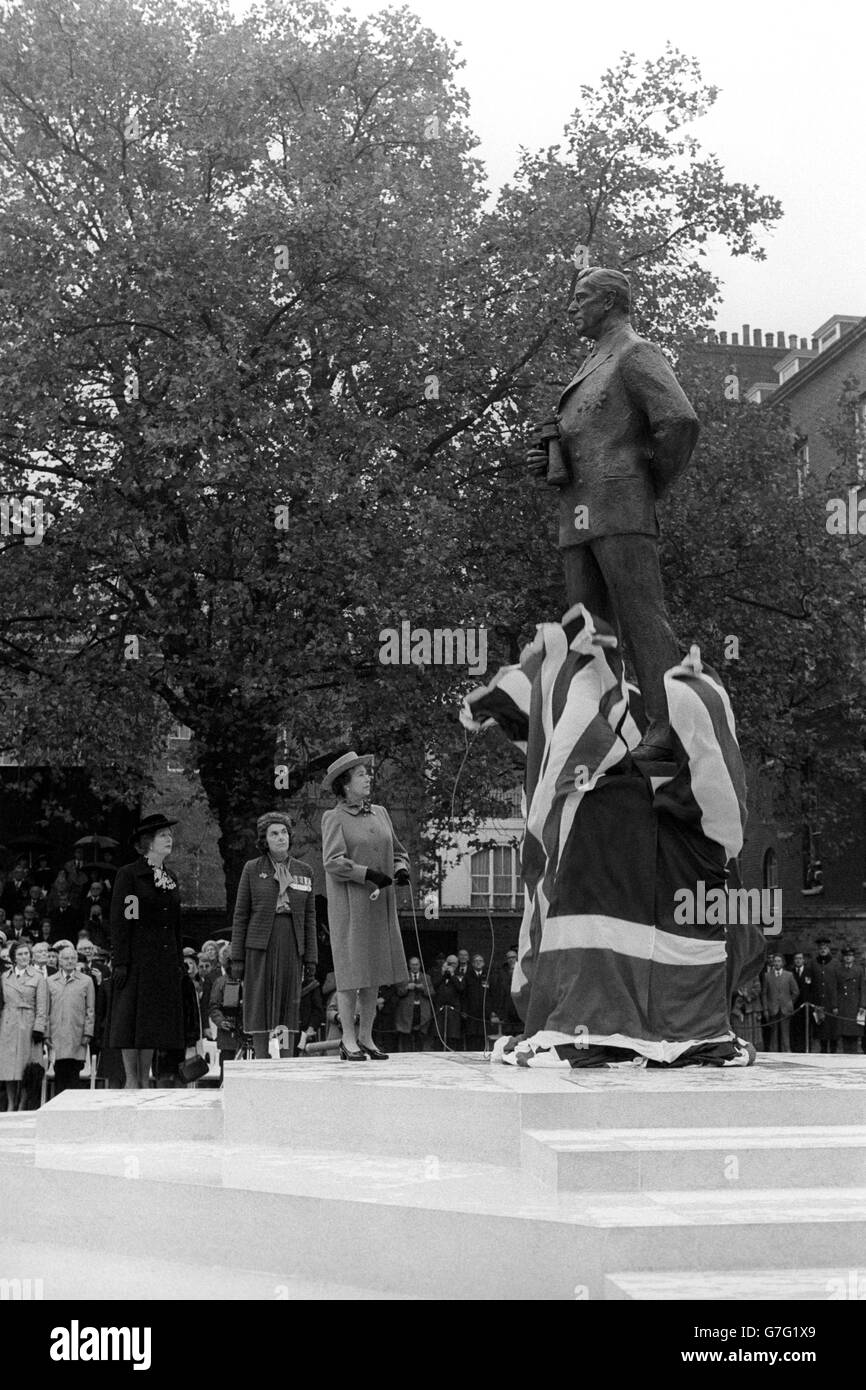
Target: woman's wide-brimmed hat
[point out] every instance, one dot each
(148, 824)
(343, 764)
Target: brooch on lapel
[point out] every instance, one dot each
(263, 875)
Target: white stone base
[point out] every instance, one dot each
(445, 1176)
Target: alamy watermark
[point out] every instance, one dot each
(25, 518)
(722, 907)
(438, 646)
(847, 516)
(21, 1290)
(77, 1343)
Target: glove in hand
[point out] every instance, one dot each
(378, 880)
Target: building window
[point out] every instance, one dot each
(813, 872)
(801, 452)
(770, 869)
(510, 798)
(179, 733)
(860, 439)
(495, 879)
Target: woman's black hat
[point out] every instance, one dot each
(148, 824)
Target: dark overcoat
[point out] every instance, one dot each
(146, 938)
(851, 998)
(823, 995)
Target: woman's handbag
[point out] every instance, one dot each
(193, 1068)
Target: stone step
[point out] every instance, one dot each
(830, 1284)
(435, 1107)
(136, 1117)
(635, 1160)
(414, 1167)
(459, 1107)
(70, 1273)
(433, 1228)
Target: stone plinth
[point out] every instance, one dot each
(451, 1177)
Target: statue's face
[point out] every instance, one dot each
(589, 308)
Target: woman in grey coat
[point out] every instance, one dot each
(363, 859)
(23, 1021)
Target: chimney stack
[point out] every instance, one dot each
(735, 340)
(792, 341)
(814, 344)
(745, 335)
(723, 338)
(780, 340)
(756, 339)
(804, 344)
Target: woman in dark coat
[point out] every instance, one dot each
(146, 954)
(362, 858)
(274, 945)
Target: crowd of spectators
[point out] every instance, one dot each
(55, 991)
(814, 1004)
(456, 1005)
(56, 906)
(56, 988)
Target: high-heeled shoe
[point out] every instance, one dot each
(374, 1052)
(346, 1056)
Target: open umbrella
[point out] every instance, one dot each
(102, 866)
(30, 843)
(99, 841)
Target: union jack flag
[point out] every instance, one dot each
(609, 842)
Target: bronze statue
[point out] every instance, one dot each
(624, 432)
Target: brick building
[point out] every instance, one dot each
(808, 375)
(750, 354)
(811, 389)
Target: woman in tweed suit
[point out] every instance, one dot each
(274, 948)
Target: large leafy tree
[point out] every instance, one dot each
(268, 359)
(774, 601)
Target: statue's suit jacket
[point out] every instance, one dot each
(627, 431)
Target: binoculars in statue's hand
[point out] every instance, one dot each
(545, 438)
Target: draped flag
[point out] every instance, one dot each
(618, 858)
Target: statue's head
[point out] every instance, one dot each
(600, 297)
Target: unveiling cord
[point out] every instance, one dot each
(445, 1047)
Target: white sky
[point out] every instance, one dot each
(790, 118)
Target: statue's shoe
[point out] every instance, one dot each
(653, 752)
